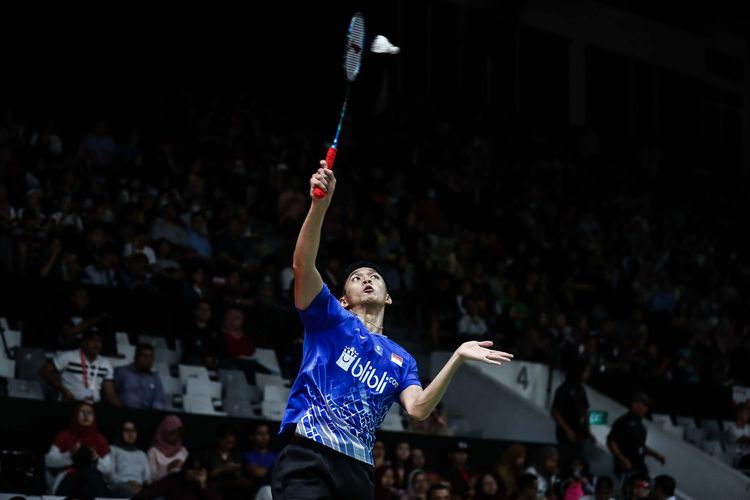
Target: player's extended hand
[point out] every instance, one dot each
(479, 351)
(323, 179)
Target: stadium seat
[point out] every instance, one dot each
(201, 387)
(275, 394)
(267, 359)
(686, 422)
(713, 430)
(7, 368)
(713, 447)
(228, 376)
(263, 380)
(187, 371)
(199, 404)
(157, 342)
(128, 351)
(675, 430)
(661, 420)
(695, 436)
(272, 410)
(167, 356)
(12, 341)
(170, 385)
(392, 421)
(25, 389)
(161, 368)
(29, 360)
(122, 338)
(238, 408)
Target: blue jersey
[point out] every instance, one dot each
(348, 380)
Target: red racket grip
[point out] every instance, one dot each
(330, 158)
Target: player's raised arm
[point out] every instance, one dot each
(307, 280)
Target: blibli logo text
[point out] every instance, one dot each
(349, 361)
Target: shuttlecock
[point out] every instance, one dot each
(382, 45)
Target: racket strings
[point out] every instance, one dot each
(354, 46)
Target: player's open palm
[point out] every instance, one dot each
(480, 351)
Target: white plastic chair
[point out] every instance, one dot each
(199, 404)
(272, 410)
(275, 394)
(25, 389)
(201, 387)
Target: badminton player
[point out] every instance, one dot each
(351, 373)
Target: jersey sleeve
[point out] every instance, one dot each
(323, 313)
(412, 375)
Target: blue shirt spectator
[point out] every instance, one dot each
(137, 385)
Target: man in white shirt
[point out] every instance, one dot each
(81, 374)
(738, 437)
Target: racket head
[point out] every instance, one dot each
(355, 46)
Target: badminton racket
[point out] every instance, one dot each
(355, 46)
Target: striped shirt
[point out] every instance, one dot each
(84, 387)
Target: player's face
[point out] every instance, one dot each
(366, 286)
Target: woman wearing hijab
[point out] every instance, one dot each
(82, 433)
(130, 467)
(167, 455)
(417, 486)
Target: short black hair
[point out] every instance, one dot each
(357, 265)
(525, 480)
(666, 484)
(438, 487)
(143, 346)
(605, 482)
(640, 397)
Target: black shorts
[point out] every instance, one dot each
(308, 470)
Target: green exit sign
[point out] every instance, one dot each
(597, 417)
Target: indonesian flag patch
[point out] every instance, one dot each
(397, 359)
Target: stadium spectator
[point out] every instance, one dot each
(510, 467)
(237, 343)
(136, 384)
(459, 473)
(202, 343)
(167, 455)
(224, 466)
(664, 488)
(385, 484)
(603, 489)
(82, 479)
(417, 459)
(400, 464)
(738, 437)
(439, 491)
(545, 468)
(378, 453)
(528, 487)
(627, 439)
(417, 486)
(130, 468)
(82, 374)
(78, 319)
(489, 487)
(637, 486)
(189, 484)
(570, 412)
(82, 434)
(259, 458)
